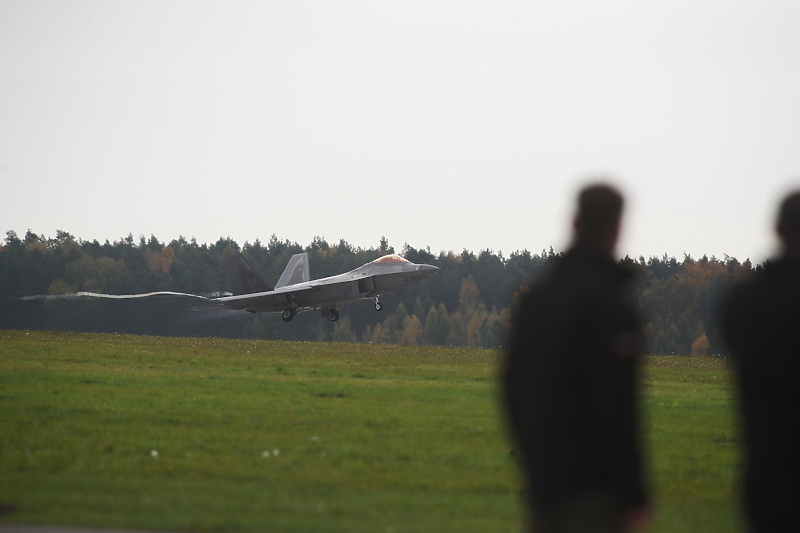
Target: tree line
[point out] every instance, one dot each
(468, 302)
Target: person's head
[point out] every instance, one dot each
(788, 223)
(598, 216)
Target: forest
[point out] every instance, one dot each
(468, 302)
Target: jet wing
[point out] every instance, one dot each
(263, 302)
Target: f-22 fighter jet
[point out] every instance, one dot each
(296, 291)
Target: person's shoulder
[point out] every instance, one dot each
(744, 295)
(785, 270)
(773, 272)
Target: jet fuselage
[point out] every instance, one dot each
(371, 280)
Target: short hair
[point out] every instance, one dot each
(789, 215)
(599, 209)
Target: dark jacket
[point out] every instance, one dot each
(761, 326)
(570, 381)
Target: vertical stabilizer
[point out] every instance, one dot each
(297, 271)
(245, 279)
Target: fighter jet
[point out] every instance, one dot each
(296, 291)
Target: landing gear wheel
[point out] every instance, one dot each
(378, 305)
(331, 314)
(288, 315)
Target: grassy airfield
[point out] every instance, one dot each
(221, 435)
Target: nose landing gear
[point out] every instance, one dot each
(378, 304)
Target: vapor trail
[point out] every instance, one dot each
(84, 294)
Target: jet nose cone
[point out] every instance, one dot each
(427, 270)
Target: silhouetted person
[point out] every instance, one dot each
(570, 383)
(761, 325)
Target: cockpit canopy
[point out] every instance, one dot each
(391, 258)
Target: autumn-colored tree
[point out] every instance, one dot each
(411, 332)
(366, 335)
(380, 335)
(160, 262)
(343, 330)
(468, 296)
(474, 327)
(495, 329)
(701, 346)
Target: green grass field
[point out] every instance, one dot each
(221, 435)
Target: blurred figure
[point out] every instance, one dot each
(761, 325)
(570, 383)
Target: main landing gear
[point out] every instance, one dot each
(378, 304)
(288, 315)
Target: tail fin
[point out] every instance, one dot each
(297, 271)
(245, 279)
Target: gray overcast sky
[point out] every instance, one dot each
(449, 124)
